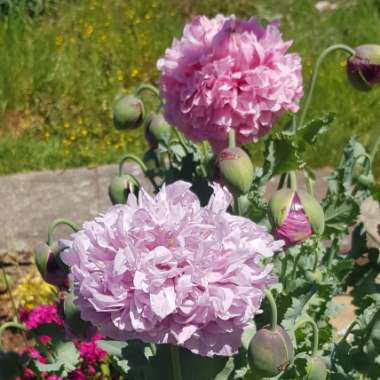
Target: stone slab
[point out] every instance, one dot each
(29, 201)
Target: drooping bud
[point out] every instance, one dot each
(315, 368)
(128, 112)
(121, 187)
(157, 129)
(295, 216)
(271, 352)
(50, 266)
(236, 168)
(74, 325)
(363, 68)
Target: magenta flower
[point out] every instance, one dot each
(40, 315)
(229, 73)
(77, 375)
(164, 269)
(90, 352)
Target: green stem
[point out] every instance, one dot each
(315, 260)
(284, 267)
(375, 149)
(315, 332)
(14, 308)
(309, 184)
(181, 139)
(348, 331)
(332, 251)
(56, 223)
(231, 138)
(294, 271)
(8, 325)
(134, 158)
(273, 307)
(293, 180)
(314, 76)
(176, 364)
(294, 123)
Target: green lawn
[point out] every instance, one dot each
(60, 71)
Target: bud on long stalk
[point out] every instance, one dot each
(363, 68)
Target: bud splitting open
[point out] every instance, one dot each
(295, 216)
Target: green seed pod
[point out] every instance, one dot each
(121, 187)
(363, 68)
(157, 129)
(50, 266)
(236, 168)
(270, 352)
(315, 368)
(128, 112)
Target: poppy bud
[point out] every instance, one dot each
(157, 129)
(315, 368)
(295, 216)
(50, 266)
(121, 187)
(271, 352)
(363, 68)
(236, 168)
(128, 112)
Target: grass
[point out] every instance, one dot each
(60, 71)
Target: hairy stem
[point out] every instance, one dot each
(314, 76)
(56, 223)
(315, 332)
(273, 307)
(231, 138)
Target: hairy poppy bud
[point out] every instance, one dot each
(271, 352)
(121, 187)
(363, 68)
(128, 112)
(295, 216)
(236, 168)
(157, 129)
(315, 368)
(50, 266)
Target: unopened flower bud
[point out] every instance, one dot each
(363, 68)
(295, 216)
(50, 266)
(157, 129)
(316, 368)
(121, 187)
(236, 168)
(128, 112)
(271, 352)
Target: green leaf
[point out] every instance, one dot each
(66, 359)
(112, 347)
(310, 132)
(285, 154)
(340, 214)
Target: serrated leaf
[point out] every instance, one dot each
(112, 347)
(66, 358)
(285, 154)
(310, 132)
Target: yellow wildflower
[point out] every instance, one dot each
(343, 63)
(58, 40)
(33, 291)
(88, 30)
(66, 125)
(134, 72)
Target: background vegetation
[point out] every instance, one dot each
(61, 67)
